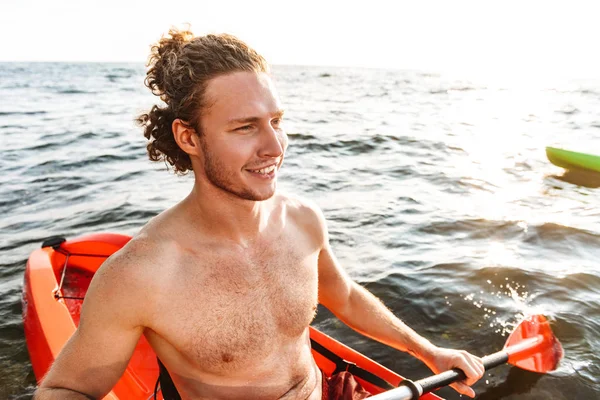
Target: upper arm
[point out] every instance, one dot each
(335, 285)
(111, 324)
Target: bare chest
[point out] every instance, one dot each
(242, 308)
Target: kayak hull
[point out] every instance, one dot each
(51, 316)
(572, 160)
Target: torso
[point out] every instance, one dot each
(232, 322)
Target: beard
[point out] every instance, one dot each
(217, 173)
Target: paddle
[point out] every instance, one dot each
(531, 346)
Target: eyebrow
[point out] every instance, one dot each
(245, 120)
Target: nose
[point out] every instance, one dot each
(274, 142)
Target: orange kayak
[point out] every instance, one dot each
(56, 280)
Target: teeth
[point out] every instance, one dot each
(267, 170)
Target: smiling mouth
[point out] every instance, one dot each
(264, 171)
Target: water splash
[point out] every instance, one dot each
(510, 295)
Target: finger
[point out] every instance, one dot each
(478, 364)
(463, 389)
(480, 367)
(476, 360)
(470, 368)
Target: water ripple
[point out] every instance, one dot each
(438, 196)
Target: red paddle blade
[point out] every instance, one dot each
(533, 346)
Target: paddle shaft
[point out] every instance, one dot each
(413, 390)
(445, 378)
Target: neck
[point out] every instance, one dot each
(226, 215)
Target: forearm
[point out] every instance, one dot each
(59, 394)
(366, 314)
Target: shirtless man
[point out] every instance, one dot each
(224, 284)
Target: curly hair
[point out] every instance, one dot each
(180, 67)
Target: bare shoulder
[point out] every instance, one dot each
(306, 213)
(128, 260)
(131, 274)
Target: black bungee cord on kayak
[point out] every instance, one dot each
(343, 365)
(55, 243)
(165, 384)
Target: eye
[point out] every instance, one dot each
(276, 121)
(244, 128)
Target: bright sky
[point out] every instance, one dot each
(437, 35)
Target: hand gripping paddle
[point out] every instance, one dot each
(531, 346)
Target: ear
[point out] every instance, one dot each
(186, 137)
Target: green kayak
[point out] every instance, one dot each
(573, 160)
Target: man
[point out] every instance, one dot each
(225, 284)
